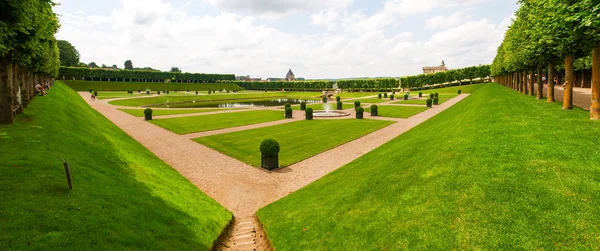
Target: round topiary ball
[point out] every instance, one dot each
(269, 148)
(148, 111)
(356, 104)
(360, 110)
(374, 108)
(309, 111)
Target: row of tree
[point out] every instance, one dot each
(81, 73)
(549, 36)
(28, 52)
(370, 84)
(309, 85)
(451, 76)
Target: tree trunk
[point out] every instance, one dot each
(595, 106)
(6, 115)
(569, 79)
(540, 87)
(550, 82)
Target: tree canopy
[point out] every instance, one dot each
(69, 56)
(128, 65)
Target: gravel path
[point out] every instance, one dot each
(581, 96)
(239, 187)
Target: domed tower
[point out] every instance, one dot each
(290, 76)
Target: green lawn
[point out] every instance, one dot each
(122, 94)
(179, 98)
(123, 197)
(140, 112)
(345, 95)
(298, 140)
(80, 85)
(185, 125)
(497, 171)
(397, 111)
(442, 97)
(372, 100)
(453, 90)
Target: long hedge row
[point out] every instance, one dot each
(372, 84)
(451, 76)
(80, 85)
(312, 85)
(83, 73)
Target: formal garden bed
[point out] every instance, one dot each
(185, 125)
(397, 111)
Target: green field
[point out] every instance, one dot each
(80, 85)
(442, 98)
(372, 100)
(140, 112)
(497, 171)
(320, 106)
(122, 94)
(185, 125)
(346, 95)
(453, 90)
(223, 97)
(298, 140)
(123, 197)
(397, 111)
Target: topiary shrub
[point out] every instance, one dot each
(436, 95)
(91, 90)
(96, 93)
(309, 113)
(420, 94)
(139, 91)
(385, 95)
(340, 105)
(392, 97)
(129, 92)
(405, 96)
(324, 99)
(302, 106)
(338, 99)
(158, 92)
(196, 92)
(288, 112)
(287, 105)
(374, 110)
(167, 92)
(147, 92)
(356, 104)
(188, 90)
(429, 102)
(431, 95)
(269, 150)
(148, 114)
(359, 112)
(459, 92)
(435, 100)
(394, 92)
(379, 96)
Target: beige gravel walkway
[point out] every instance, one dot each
(241, 188)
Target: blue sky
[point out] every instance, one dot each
(263, 38)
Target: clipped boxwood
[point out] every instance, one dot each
(429, 102)
(385, 95)
(147, 92)
(436, 95)
(196, 92)
(288, 112)
(338, 99)
(95, 93)
(379, 96)
(356, 104)
(324, 99)
(309, 113)
(420, 94)
(269, 150)
(374, 110)
(167, 92)
(287, 105)
(303, 106)
(459, 92)
(405, 96)
(158, 92)
(359, 112)
(139, 91)
(431, 95)
(392, 97)
(340, 105)
(148, 114)
(91, 90)
(435, 100)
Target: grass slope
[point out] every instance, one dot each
(185, 125)
(124, 197)
(397, 111)
(140, 112)
(80, 85)
(498, 171)
(298, 140)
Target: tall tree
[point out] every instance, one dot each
(128, 65)
(175, 69)
(69, 56)
(93, 65)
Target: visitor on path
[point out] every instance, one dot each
(93, 97)
(39, 89)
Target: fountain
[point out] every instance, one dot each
(328, 113)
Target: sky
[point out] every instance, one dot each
(317, 39)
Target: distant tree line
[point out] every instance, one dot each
(98, 74)
(451, 76)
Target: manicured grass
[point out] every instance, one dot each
(123, 197)
(185, 125)
(344, 95)
(498, 171)
(80, 85)
(109, 95)
(298, 140)
(140, 112)
(453, 90)
(372, 100)
(164, 98)
(443, 97)
(320, 106)
(397, 111)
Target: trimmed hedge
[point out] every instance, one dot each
(269, 148)
(356, 104)
(79, 73)
(374, 110)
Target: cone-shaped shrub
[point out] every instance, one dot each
(429, 102)
(148, 92)
(196, 92)
(436, 95)
(359, 112)
(309, 113)
(96, 93)
(356, 104)
(91, 90)
(303, 106)
(431, 95)
(158, 92)
(340, 105)
(374, 110)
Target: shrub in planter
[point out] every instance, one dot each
(420, 94)
(392, 97)
(394, 92)
(227, 91)
(431, 95)
(188, 90)
(269, 150)
(287, 105)
(385, 95)
(325, 100)
(429, 102)
(340, 105)
(167, 92)
(359, 112)
(302, 106)
(96, 93)
(338, 99)
(288, 112)
(91, 90)
(309, 113)
(196, 92)
(436, 95)
(379, 96)
(158, 92)
(139, 91)
(435, 100)
(459, 92)
(374, 110)
(129, 92)
(405, 96)
(356, 104)
(148, 92)
(148, 114)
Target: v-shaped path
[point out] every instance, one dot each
(239, 187)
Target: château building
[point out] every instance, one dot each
(434, 69)
(290, 76)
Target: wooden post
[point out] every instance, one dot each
(68, 173)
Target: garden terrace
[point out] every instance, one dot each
(123, 196)
(80, 85)
(185, 125)
(298, 140)
(161, 112)
(499, 170)
(79, 73)
(162, 99)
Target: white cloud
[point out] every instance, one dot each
(278, 7)
(154, 33)
(453, 20)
